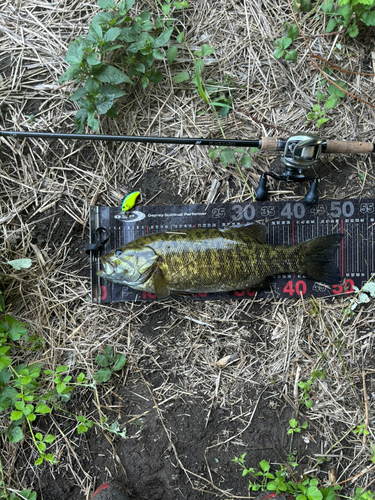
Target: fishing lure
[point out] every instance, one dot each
(129, 201)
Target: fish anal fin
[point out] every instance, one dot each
(161, 288)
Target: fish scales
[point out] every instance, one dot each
(214, 260)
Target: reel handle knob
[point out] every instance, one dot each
(312, 196)
(261, 192)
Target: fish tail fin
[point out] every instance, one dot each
(316, 258)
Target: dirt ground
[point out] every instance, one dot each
(185, 419)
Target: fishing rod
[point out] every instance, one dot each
(299, 151)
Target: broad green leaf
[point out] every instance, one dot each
(368, 18)
(101, 360)
(103, 104)
(163, 38)
(111, 91)
(128, 35)
(110, 74)
(140, 67)
(145, 82)
(246, 161)
(305, 5)
(309, 402)
(353, 29)
(62, 369)
(264, 465)
(227, 156)
(180, 37)
(172, 54)
(20, 264)
(4, 376)
(129, 4)
(206, 50)
(331, 102)
(278, 52)
(285, 42)
(327, 6)
(39, 436)
(96, 31)
(14, 434)
(102, 18)
(16, 415)
(74, 54)
(158, 54)
(42, 408)
(60, 387)
(112, 113)
(4, 362)
(293, 32)
(319, 96)
(103, 375)
(31, 417)
(181, 77)
(80, 120)
(334, 91)
(313, 493)
(112, 34)
(119, 362)
(30, 495)
(39, 461)
(155, 76)
(106, 4)
(159, 23)
(49, 439)
(166, 8)
(8, 396)
(82, 428)
(145, 16)
(331, 25)
(213, 152)
(291, 56)
(92, 86)
(78, 94)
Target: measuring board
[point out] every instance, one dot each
(288, 223)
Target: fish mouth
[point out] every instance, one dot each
(109, 269)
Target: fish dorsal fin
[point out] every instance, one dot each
(161, 288)
(255, 231)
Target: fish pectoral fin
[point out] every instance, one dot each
(161, 288)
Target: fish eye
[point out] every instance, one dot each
(118, 253)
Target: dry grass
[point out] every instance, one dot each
(47, 188)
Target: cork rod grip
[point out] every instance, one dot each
(269, 144)
(349, 147)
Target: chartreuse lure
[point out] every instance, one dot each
(129, 201)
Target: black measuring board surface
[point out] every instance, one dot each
(288, 223)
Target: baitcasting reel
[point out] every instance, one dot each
(300, 152)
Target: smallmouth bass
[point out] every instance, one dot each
(215, 260)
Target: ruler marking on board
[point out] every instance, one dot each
(287, 223)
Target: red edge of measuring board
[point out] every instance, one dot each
(342, 250)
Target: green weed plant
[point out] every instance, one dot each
(137, 42)
(280, 482)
